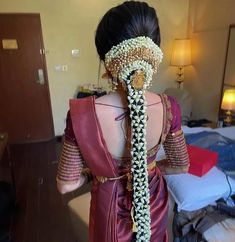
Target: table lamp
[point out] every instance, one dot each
(181, 57)
(228, 104)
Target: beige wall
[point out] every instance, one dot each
(229, 77)
(71, 24)
(208, 26)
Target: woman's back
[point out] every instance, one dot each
(130, 198)
(115, 124)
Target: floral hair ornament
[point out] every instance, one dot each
(133, 62)
(139, 53)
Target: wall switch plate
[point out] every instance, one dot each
(75, 53)
(58, 68)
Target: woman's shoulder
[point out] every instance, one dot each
(162, 97)
(112, 99)
(152, 97)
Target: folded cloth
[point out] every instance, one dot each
(222, 231)
(200, 226)
(201, 160)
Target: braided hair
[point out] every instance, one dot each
(127, 40)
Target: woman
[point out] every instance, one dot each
(117, 136)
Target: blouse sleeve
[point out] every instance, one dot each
(71, 162)
(174, 145)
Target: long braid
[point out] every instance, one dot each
(139, 165)
(133, 62)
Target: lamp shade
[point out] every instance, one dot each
(228, 101)
(181, 55)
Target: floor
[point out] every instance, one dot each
(41, 214)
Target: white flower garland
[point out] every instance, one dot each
(133, 62)
(139, 42)
(139, 165)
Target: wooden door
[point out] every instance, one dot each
(25, 108)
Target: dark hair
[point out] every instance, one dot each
(128, 20)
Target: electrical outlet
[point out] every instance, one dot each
(64, 67)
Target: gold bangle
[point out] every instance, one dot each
(177, 133)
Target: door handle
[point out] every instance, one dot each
(40, 79)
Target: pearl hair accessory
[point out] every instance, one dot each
(133, 62)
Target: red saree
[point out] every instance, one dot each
(110, 219)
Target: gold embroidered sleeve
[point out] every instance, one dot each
(176, 150)
(71, 163)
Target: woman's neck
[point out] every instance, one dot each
(122, 94)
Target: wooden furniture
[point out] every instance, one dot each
(4, 147)
(4, 144)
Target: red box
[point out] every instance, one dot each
(201, 160)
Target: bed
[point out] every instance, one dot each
(206, 190)
(194, 195)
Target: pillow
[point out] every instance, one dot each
(191, 192)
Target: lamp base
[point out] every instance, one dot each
(180, 76)
(228, 119)
(179, 83)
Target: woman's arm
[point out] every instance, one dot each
(177, 159)
(69, 173)
(71, 163)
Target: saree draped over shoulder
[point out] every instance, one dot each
(111, 201)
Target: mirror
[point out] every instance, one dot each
(229, 71)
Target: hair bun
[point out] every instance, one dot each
(134, 54)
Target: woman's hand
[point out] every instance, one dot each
(167, 169)
(69, 187)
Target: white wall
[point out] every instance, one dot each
(70, 24)
(208, 27)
